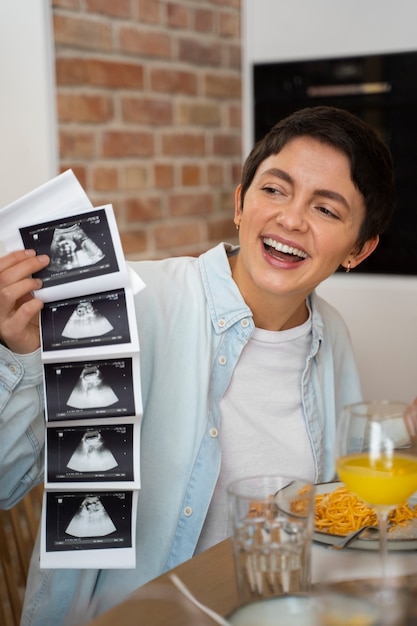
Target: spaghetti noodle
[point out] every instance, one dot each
(341, 512)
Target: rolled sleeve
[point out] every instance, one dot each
(22, 428)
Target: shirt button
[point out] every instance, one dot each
(188, 511)
(213, 432)
(13, 369)
(222, 360)
(244, 323)
(221, 323)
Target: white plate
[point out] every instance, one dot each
(292, 611)
(307, 610)
(400, 538)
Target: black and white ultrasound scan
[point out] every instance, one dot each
(94, 389)
(88, 520)
(99, 319)
(90, 453)
(79, 247)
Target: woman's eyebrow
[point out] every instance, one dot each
(333, 195)
(278, 173)
(326, 193)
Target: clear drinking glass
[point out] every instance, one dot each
(272, 523)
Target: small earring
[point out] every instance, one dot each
(237, 226)
(348, 267)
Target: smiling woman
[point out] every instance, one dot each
(305, 208)
(238, 353)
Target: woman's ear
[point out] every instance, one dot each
(238, 206)
(354, 259)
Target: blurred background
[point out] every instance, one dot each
(141, 98)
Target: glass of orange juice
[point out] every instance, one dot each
(376, 458)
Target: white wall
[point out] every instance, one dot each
(381, 311)
(28, 135)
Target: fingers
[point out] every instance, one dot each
(13, 258)
(16, 281)
(410, 417)
(19, 310)
(20, 264)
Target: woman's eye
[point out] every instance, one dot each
(272, 190)
(328, 212)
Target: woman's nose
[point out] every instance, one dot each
(293, 215)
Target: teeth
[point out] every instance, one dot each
(284, 248)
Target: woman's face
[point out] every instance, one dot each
(300, 221)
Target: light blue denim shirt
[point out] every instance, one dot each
(193, 325)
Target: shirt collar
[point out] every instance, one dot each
(224, 299)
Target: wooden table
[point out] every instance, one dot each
(210, 577)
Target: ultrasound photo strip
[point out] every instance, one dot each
(91, 371)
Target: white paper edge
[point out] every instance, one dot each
(61, 195)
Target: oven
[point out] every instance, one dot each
(382, 90)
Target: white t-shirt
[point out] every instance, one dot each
(262, 428)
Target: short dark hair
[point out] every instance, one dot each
(371, 163)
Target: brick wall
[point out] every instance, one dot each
(149, 116)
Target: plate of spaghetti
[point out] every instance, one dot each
(339, 512)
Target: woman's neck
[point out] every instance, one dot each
(272, 311)
(279, 318)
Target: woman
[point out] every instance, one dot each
(244, 369)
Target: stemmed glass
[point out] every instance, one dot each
(376, 458)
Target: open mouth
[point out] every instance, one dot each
(282, 251)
